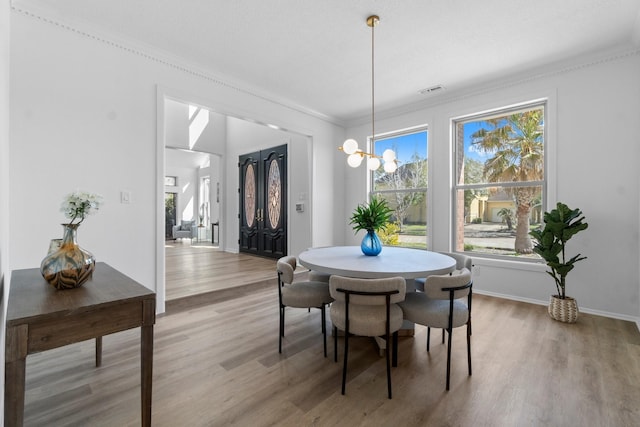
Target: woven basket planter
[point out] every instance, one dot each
(563, 310)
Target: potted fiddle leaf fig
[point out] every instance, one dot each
(560, 225)
(371, 217)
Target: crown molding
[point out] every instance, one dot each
(164, 58)
(500, 83)
(153, 54)
(635, 37)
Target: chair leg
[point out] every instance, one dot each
(344, 367)
(324, 330)
(387, 335)
(449, 357)
(442, 336)
(469, 345)
(281, 330)
(335, 344)
(282, 321)
(386, 352)
(428, 337)
(395, 349)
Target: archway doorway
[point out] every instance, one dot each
(236, 136)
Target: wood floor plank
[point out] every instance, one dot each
(198, 269)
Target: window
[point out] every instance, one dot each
(204, 198)
(499, 181)
(405, 189)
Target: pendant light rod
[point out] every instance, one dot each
(372, 21)
(350, 146)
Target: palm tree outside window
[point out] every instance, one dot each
(500, 180)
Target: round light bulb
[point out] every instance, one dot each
(354, 160)
(373, 163)
(350, 146)
(389, 155)
(390, 167)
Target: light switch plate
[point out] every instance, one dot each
(125, 196)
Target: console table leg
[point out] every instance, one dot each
(146, 359)
(14, 368)
(98, 352)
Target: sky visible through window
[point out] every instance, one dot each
(470, 152)
(405, 146)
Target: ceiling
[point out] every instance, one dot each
(184, 159)
(315, 55)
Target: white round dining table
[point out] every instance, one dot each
(391, 262)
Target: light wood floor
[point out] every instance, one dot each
(194, 271)
(218, 365)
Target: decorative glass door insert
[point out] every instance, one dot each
(263, 218)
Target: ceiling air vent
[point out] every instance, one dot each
(431, 90)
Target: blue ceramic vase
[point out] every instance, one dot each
(371, 245)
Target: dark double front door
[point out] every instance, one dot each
(263, 202)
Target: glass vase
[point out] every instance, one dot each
(371, 245)
(67, 266)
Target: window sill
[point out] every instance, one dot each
(537, 266)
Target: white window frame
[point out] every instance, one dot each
(548, 190)
(370, 179)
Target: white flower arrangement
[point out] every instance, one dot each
(79, 204)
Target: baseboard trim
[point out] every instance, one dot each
(634, 319)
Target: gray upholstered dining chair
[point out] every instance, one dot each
(446, 304)
(318, 276)
(462, 261)
(303, 294)
(367, 307)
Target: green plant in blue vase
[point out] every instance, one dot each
(371, 217)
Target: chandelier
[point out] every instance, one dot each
(350, 146)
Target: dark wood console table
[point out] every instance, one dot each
(40, 318)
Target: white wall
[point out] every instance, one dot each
(84, 115)
(181, 133)
(594, 105)
(215, 172)
(187, 192)
(212, 172)
(4, 179)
